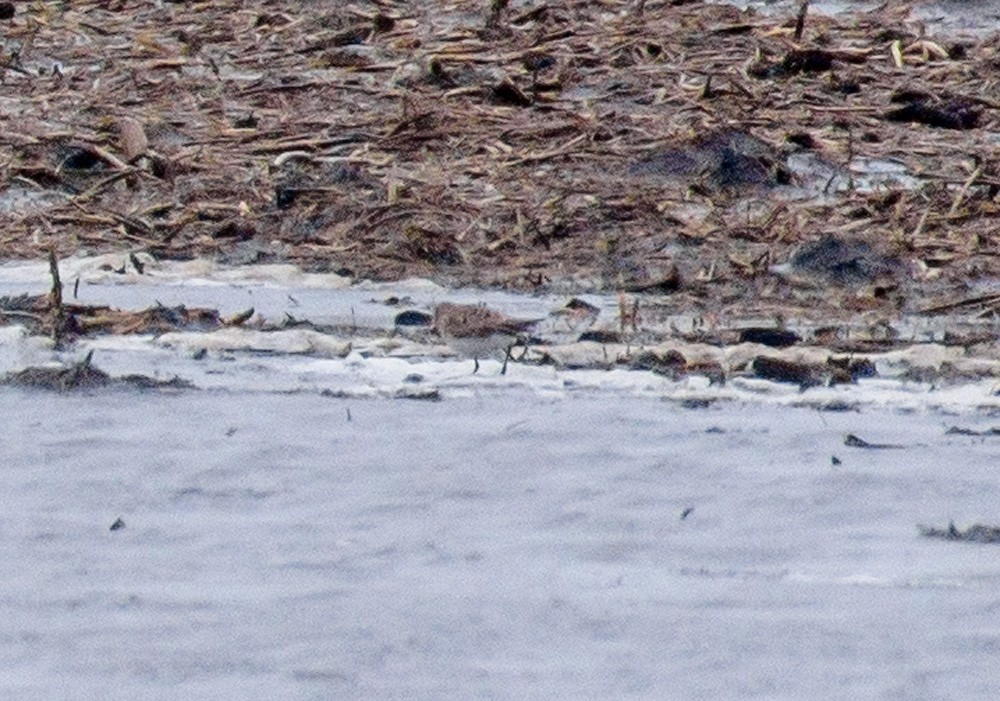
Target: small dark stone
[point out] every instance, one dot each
(687, 512)
(117, 525)
(352, 36)
(862, 367)
(538, 62)
(888, 35)
(265, 19)
(582, 305)
(908, 96)
(413, 318)
(414, 378)
(424, 394)
(943, 114)
(81, 159)
(284, 197)
(834, 460)
(778, 370)
(803, 139)
(847, 87)
(6, 10)
(697, 403)
(247, 121)
(663, 281)
(852, 441)
(600, 336)
(383, 23)
(775, 338)
(236, 229)
(836, 405)
(848, 369)
(807, 61)
(507, 93)
(160, 167)
(767, 70)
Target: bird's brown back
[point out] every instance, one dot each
(471, 320)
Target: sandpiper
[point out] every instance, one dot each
(478, 331)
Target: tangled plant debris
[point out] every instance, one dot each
(712, 161)
(50, 314)
(504, 144)
(83, 375)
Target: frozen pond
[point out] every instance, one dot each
(293, 532)
(504, 545)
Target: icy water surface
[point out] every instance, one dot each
(501, 546)
(940, 17)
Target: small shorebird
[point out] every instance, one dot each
(479, 332)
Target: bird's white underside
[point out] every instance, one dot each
(481, 346)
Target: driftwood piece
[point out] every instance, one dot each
(57, 313)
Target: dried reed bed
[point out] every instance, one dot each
(496, 143)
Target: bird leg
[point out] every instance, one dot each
(503, 370)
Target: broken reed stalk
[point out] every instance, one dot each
(964, 191)
(73, 374)
(800, 19)
(56, 309)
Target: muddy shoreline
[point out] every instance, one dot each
(196, 325)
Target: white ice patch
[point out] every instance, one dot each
(291, 342)
(353, 348)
